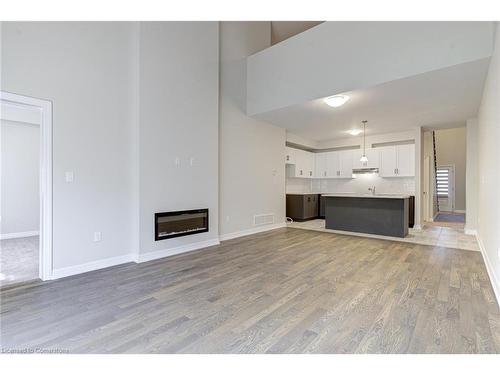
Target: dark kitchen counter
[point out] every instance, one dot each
(379, 214)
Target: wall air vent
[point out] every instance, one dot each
(263, 219)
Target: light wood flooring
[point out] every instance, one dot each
(18, 260)
(283, 291)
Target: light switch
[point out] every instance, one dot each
(70, 177)
(97, 236)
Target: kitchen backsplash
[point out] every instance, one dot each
(360, 184)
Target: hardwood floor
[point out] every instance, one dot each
(284, 291)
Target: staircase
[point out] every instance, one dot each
(435, 169)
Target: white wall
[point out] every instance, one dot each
(361, 183)
(85, 68)
(178, 116)
(370, 139)
(252, 152)
(488, 224)
(471, 183)
(336, 57)
(20, 173)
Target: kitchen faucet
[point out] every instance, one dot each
(372, 189)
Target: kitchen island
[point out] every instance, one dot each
(382, 214)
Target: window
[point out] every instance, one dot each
(443, 182)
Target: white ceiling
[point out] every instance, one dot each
(281, 30)
(438, 99)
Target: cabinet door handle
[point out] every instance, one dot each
(301, 172)
(395, 171)
(288, 157)
(310, 173)
(325, 173)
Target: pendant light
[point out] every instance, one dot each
(364, 159)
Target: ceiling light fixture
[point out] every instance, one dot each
(336, 100)
(364, 159)
(355, 131)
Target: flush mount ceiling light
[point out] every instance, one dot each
(336, 100)
(355, 131)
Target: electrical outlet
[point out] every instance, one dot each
(69, 176)
(97, 236)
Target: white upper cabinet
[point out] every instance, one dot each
(392, 161)
(320, 170)
(388, 162)
(406, 160)
(290, 155)
(301, 163)
(397, 161)
(346, 163)
(332, 164)
(338, 164)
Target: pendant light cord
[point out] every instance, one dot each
(364, 137)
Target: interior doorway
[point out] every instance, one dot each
(443, 177)
(26, 189)
(445, 186)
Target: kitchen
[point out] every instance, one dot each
(356, 185)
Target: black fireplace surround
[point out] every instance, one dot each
(180, 223)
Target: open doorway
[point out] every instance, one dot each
(444, 177)
(26, 189)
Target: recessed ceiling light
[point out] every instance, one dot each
(355, 131)
(336, 100)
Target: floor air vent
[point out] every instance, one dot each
(263, 219)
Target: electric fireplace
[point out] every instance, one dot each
(180, 223)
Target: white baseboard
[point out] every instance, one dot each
(8, 236)
(495, 283)
(91, 266)
(152, 255)
(246, 232)
(417, 227)
(471, 232)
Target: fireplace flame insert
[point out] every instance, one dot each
(180, 223)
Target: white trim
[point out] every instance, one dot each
(459, 211)
(45, 106)
(152, 255)
(91, 266)
(246, 232)
(417, 227)
(8, 236)
(495, 283)
(472, 232)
